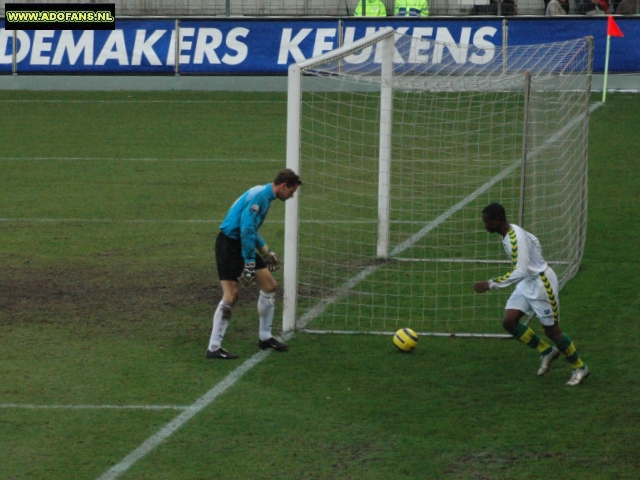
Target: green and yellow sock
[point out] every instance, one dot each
(568, 349)
(529, 338)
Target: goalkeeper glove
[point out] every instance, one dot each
(270, 258)
(248, 275)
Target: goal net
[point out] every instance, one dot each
(401, 142)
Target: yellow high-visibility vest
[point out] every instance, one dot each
(411, 8)
(375, 8)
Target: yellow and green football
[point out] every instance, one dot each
(406, 340)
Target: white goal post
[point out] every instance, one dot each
(401, 142)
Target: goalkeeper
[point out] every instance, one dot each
(536, 292)
(237, 261)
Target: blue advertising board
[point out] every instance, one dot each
(268, 46)
(262, 47)
(135, 46)
(624, 51)
(438, 42)
(6, 50)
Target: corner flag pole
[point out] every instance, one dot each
(612, 31)
(606, 70)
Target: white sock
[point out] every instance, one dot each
(220, 323)
(266, 307)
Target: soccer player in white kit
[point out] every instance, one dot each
(536, 292)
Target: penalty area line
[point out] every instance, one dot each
(225, 102)
(156, 439)
(92, 407)
(118, 159)
(152, 220)
(99, 220)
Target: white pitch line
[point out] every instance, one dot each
(114, 220)
(153, 441)
(100, 220)
(465, 260)
(117, 159)
(227, 102)
(93, 407)
(506, 336)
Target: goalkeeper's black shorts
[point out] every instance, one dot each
(230, 260)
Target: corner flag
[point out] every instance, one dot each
(612, 28)
(612, 31)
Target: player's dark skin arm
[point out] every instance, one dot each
(482, 286)
(492, 226)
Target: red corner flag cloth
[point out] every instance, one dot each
(613, 29)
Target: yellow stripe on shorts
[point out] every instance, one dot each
(551, 295)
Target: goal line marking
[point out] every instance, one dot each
(465, 260)
(505, 336)
(156, 439)
(93, 407)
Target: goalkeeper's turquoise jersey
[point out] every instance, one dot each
(246, 216)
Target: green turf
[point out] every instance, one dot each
(106, 298)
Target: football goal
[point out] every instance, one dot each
(401, 142)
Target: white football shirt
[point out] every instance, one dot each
(526, 256)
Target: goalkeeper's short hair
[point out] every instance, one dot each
(287, 176)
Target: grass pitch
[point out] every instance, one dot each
(110, 206)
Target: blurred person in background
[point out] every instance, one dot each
(556, 7)
(627, 7)
(373, 8)
(411, 8)
(601, 8)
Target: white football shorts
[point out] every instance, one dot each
(532, 296)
